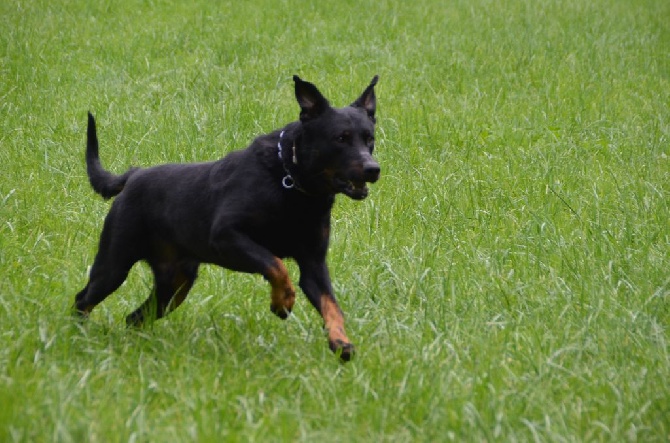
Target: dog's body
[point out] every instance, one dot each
(245, 212)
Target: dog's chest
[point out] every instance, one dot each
(290, 228)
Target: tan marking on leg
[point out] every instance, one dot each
(333, 320)
(283, 293)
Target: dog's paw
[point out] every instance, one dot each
(280, 311)
(135, 320)
(79, 314)
(345, 350)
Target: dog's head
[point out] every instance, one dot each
(337, 143)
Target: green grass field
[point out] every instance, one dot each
(508, 279)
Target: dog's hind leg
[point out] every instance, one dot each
(172, 282)
(118, 251)
(102, 282)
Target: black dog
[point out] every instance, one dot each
(244, 212)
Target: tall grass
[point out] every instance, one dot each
(507, 279)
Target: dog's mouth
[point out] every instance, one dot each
(354, 189)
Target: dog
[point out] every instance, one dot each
(245, 212)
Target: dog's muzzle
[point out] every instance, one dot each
(355, 185)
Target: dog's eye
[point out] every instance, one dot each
(344, 137)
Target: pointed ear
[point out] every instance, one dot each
(312, 103)
(367, 100)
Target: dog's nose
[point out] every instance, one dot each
(371, 171)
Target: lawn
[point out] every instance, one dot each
(507, 279)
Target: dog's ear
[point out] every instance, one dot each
(367, 100)
(312, 103)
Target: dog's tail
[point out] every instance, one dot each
(103, 182)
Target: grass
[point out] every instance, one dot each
(506, 280)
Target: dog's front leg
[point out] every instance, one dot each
(315, 283)
(238, 252)
(283, 294)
